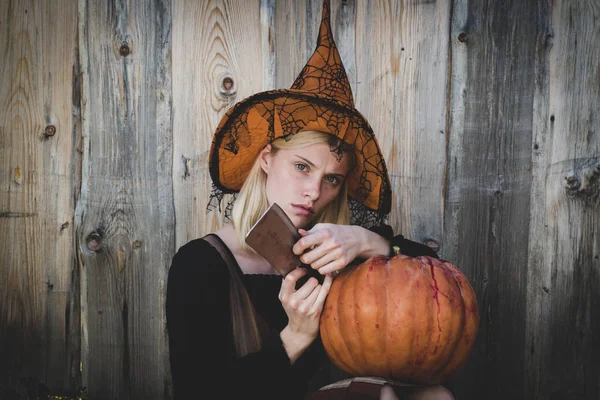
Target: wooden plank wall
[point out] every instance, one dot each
(40, 174)
(487, 113)
(563, 304)
(124, 216)
(490, 180)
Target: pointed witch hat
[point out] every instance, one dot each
(320, 99)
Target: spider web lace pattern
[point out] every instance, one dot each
(359, 214)
(324, 72)
(262, 118)
(319, 99)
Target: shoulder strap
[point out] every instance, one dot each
(245, 321)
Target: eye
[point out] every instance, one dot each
(301, 167)
(334, 180)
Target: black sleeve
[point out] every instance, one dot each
(407, 247)
(201, 348)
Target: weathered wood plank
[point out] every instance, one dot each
(538, 271)
(402, 66)
(37, 170)
(563, 304)
(125, 218)
(488, 199)
(296, 29)
(267, 38)
(224, 65)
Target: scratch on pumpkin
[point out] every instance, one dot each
(436, 290)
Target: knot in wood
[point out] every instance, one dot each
(227, 84)
(137, 244)
(462, 37)
(573, 183)
(124, 50)
(94, 242)
(50, 131)
(597, 170)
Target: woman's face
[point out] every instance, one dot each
(303, 181)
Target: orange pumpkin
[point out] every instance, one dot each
(412, 319)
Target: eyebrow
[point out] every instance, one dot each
(304, 159)
(312, 165)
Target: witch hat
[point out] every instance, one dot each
(319, 99)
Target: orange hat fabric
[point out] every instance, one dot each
(320, 99)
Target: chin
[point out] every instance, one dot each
(300, 222)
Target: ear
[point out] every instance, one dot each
(265, 158)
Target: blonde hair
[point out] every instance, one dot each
(251, 202)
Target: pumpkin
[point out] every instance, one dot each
(412, 319)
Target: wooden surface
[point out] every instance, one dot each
(487, 114)
(124, 216)
(489, 183)
(39, 175)
(222, 67)
(402, 67)
(563, 306)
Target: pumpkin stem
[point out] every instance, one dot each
(396, 250)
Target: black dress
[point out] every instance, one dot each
(201, 346)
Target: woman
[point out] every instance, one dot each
(236, 326)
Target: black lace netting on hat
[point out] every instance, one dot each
(284, 113)
(359, 214)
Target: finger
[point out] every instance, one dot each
(308, 304)
(288, 285)
(302, 244)
(321, 255)
(305, 290)
(323, 292)
(332, 267)
(329, 257)
(303, 232)
(299, 249)
(313, 239)
(318, 227)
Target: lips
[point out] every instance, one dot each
(302, 209)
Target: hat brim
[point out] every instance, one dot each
(261, 118)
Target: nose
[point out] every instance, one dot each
(312, 189)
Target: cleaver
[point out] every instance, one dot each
(273, 237)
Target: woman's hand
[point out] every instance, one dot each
(303, 308)
(330, 247)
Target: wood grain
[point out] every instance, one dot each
(563, 306)
(296, 28)
(125, 219)
(228, 42)
(36, 191)
(489, 184)
(402, 68)
(486, 113)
